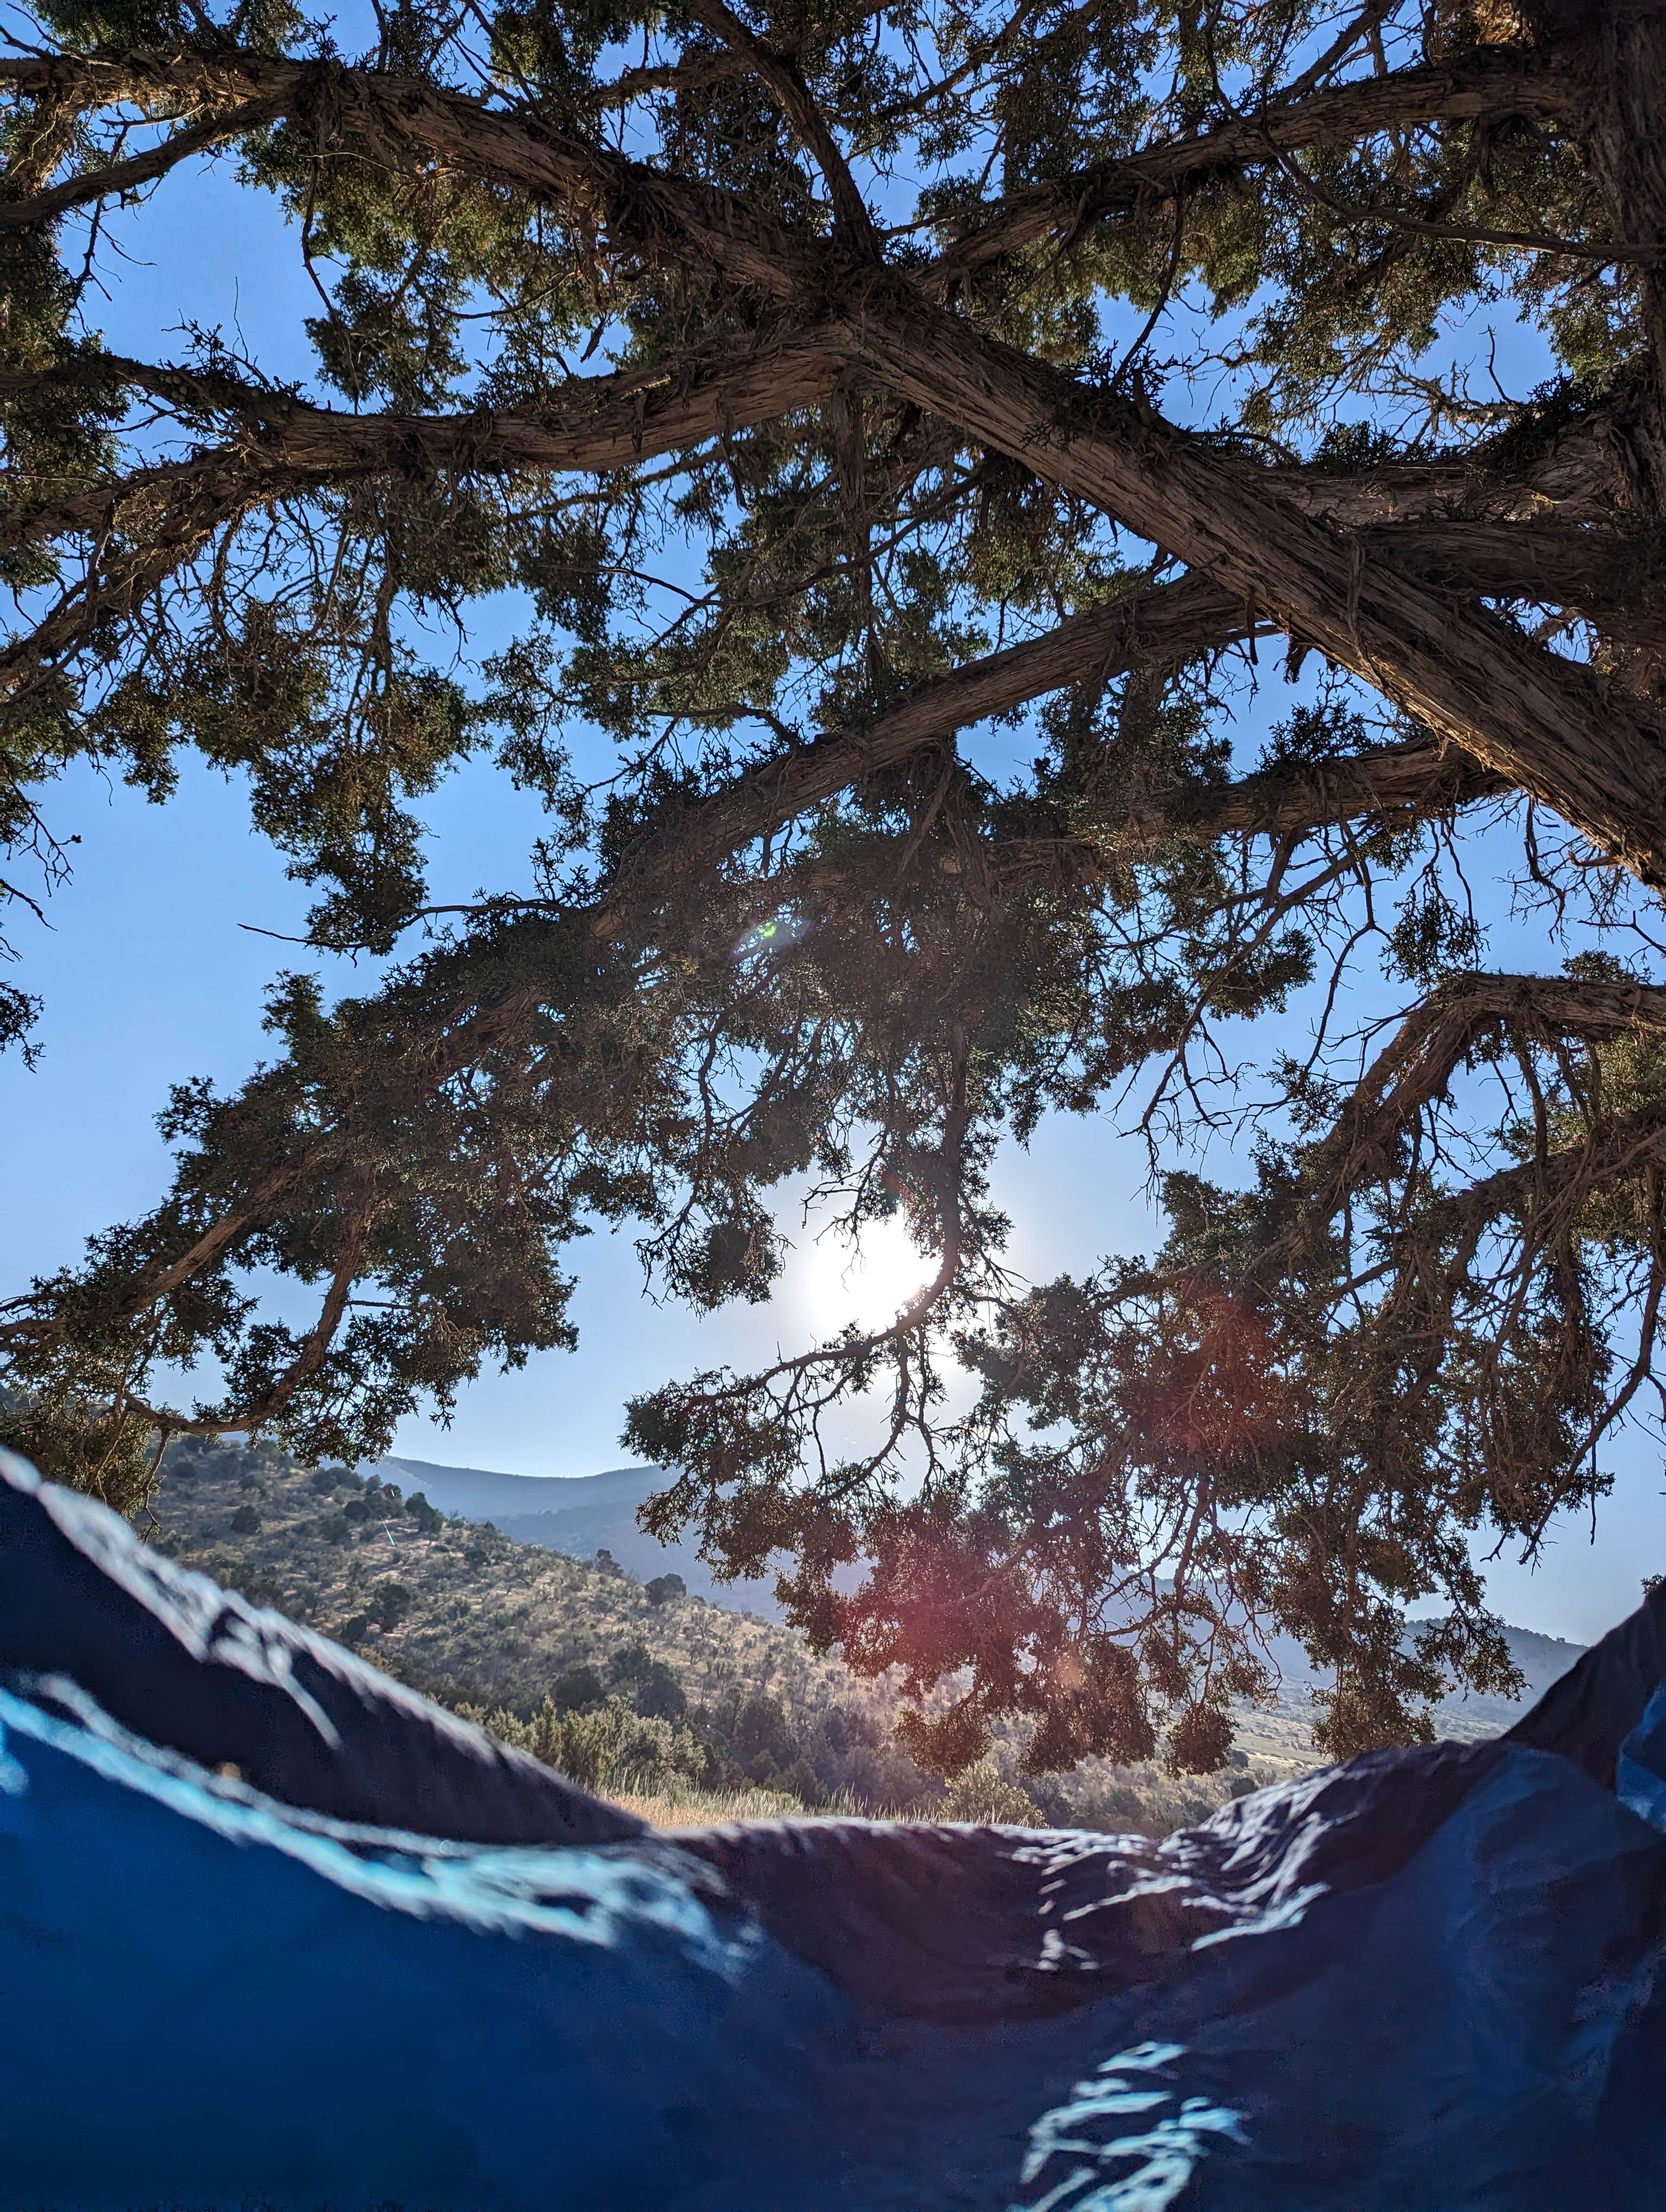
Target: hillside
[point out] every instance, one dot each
(632, 1685)
(499, 1628)
(580, 1515)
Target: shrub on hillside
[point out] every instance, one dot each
(390, 1603)
(576, 1688)
(983, 1795)
(608, 1748)
(651, 1686)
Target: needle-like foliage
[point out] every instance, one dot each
(825, 383)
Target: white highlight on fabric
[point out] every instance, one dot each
(499, 1889)
(1168, 2150)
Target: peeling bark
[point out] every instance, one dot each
(1619, 119)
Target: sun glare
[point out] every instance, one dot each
(867, 1283)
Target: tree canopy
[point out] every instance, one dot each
(826, 384)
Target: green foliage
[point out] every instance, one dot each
(779, 402)
(531, 1641)
(579, 1688)
(610, 1749)
(576, 1665)
(984, 1797)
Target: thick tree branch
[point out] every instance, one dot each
(406, 125)
(161, 517)
(1172, 622)
(160, 535)
(594, 424)
(1414, 1068)
(1548, 1195)
(1599, 573)
(397, 120)
(1541, 722)
(1619, 122)
(793, 96)
(687, 75)
(1489, 89)
(1403, 784)
(1582, 475)
(121, 177)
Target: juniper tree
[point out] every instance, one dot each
(828, 382)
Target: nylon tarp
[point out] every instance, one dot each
(1425, 1978)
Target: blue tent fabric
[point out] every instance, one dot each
(1422, 1979)
(192, 1667)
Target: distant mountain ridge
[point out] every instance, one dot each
(581, 1515)
(480, 1494)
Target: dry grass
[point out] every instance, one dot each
(708, 1809)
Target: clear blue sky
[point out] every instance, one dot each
(148, 978)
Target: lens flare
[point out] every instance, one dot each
(772, 935)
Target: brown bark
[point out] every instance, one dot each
(115, 585)
(1538, 722)
(1404, 784)
(1173, 622)
(165, 515)
(1619, 119)
(1486, 88)
(788, 89)
(1589, 572)
(1415, 1066)
(1581, 477)
(409, 125)
(1549, 1194)
(405, 121)
(1545, 724)
(594, 425)
(121, 177)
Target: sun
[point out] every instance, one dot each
(868, 1283)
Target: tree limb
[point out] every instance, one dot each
(1579, 477)
(1489, 89)
(1171, 622)
(1415, 1066)
(162, 516)
(407, 123)
(1542, 722)
(142, 169)
(1402, 783)
(793, 96)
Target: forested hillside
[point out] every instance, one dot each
(635, 1689)
(579, 1515)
